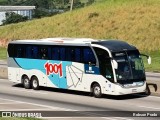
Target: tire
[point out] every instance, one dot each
(97, 90)
(35, 83)
(26, 83)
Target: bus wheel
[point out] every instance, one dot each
(35, 83)
(26, 82)
(97, 90)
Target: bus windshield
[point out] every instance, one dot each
(130, 66)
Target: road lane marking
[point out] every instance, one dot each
(149, 107)
(147, 96)
(23, 109)
(30, 91)
(10, 103)
(46, 106)
(123, 118)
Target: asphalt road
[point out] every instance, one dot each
(76, 105)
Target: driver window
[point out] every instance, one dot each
(104, 63)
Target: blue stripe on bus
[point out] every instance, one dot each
(56, 79)
(29, 64)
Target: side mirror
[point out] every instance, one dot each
(115, 64)
(149, 60)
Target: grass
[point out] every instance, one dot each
(3, 53)
(135, 21)
(155, 65)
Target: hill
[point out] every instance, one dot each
(135, 21)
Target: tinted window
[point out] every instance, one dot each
(62, 53)
(20, 51)
(44, 52)
(11, 50)
(104, 63)
(88, 56)
(77, 54)
(55, 53)
(32, 52)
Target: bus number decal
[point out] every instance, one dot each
(53, 68)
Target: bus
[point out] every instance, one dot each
(110, 67)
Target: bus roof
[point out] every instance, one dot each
(112, 45)
(58, 40)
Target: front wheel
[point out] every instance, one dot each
(35, 83)
(97, 90)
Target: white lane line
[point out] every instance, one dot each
(46, 106)
(123, 118)
(9, 103)
(149, 107)
(24, 109)
(108, 118)
(30, 91)
(151, 96)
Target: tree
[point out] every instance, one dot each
(12, 17)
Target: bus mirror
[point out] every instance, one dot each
(149, 60)
(115, 64)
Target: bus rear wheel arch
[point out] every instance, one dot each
(96, 90)
(26, 82)
(35, 83)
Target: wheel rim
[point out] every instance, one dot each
(35, 83)
(97, 90)
(26, 82)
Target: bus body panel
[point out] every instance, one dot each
(65, 74)
(73, 73)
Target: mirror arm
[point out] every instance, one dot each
(144, 55)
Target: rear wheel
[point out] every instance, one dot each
(35, 83)
(97, 90)
(26, 82)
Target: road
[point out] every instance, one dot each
(78, 105)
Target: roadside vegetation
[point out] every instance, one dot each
(135, 21)
(155, 65)
(3, 53)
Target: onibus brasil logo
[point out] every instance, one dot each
(53, 68)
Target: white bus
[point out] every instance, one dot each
(98, 66)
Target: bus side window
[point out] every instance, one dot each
(28, 52)
(20, 51)
(62, 54)
(78, 55)
(11, 50)
(35, 52)
(88, 56)
(49, 53)
(44, 53)
(55, 53)
(70, 54)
